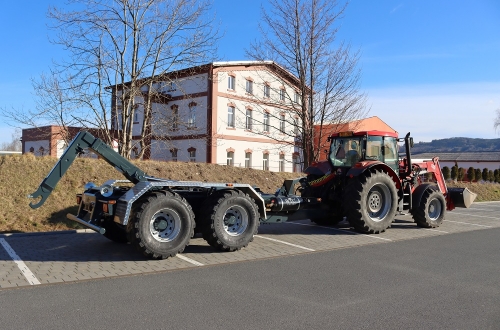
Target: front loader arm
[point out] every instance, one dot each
(81, 141)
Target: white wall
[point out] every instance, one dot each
(160, 150)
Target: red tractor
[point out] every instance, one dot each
(365, 181)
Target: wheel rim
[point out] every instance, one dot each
(435, 209)
(235, 220)
(165, 225)
(379, 202)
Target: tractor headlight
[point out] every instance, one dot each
(106, 190)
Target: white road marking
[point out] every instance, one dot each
(283, 242)
(342, 230)
(479, 216)
(30, 277)
(194, 262)
(439, 231)
(467, 223)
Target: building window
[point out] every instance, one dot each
(296, 127)
(175, 117)
(170, 87)
(282, 95)
(282, 123)
(266, 122)
(296, 98)
(282, 163)
(296, 164)
(192, 154)
(248, 160)
(230, 158)
(249, 87)
(267, 90)
(192, 115)
(248, 121)
(265, 162)
(230, 116)
(231, 82)
(173, 152)
(136, 117)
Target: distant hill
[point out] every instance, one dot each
(456, 144)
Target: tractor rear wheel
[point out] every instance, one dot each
(430, 213)
(231, 219)
(162, 225)
(370, 202)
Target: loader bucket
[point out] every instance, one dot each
(461, 197)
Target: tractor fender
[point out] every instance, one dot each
(364, 166)
(419, 191)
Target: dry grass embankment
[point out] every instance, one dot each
(21, 175)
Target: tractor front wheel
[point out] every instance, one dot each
(370, 202)
(430, 213)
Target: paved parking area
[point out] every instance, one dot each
(34, 259)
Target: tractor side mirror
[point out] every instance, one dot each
(411, 142)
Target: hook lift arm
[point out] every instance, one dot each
(81, 141)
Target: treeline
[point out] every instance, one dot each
(471, 174)
(457, 144)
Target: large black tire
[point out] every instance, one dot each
(431, 211)
(230, 220)
(370, 202)
(162, 225)
(115, 232)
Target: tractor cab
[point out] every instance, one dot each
(349, 148)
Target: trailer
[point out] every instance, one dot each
(159, 216)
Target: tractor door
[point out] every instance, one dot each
(384, 149)
(346, 151)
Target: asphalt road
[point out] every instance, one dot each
(447, 279)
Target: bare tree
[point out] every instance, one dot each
(300, 35)
(496, 125)
(118, 52)
(14, 144)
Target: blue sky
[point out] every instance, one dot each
(431, 68)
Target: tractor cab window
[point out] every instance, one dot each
(384, 149)
(345, 151)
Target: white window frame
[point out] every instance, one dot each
(248, 160)
(192, 115)
(282, 95)
(230, 116)
(230, 158)
(265, 162)
(192, 156)
(282, 123)
(175, 118)
(266, 122)
(249, 87)
(231, 82)
(248, 120)
(267, 90)
(282, 163)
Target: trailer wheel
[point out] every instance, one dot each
(430, 213)
(371, 202)
(115, 232)
(162, 225)
(231, 219)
